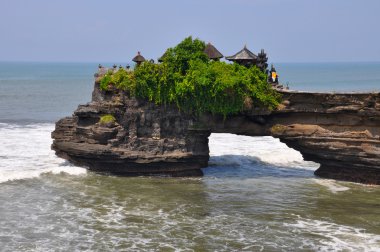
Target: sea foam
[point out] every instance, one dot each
(263, 149)
(333, 237)
(25, 153)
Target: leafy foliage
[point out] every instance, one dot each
(106, 81)
(105, 119)
(188, 78)
(121, 79)
(179, 57)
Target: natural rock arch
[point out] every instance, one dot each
(339, 131)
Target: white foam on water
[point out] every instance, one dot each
(25, 153)
(334, 237)
(265, 149)
(331, 185)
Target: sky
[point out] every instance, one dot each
(114, 30)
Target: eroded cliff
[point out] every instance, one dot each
(145, 139)
(339, 131)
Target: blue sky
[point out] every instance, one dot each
(113, 31)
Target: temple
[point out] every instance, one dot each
(212, 53)
(138, 59)
(247, 58)
(244, 57)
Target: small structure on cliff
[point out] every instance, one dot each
(273, 76)
(244, 57)
(262, 61)
(212, 53)
(247, 58)
(138, 58)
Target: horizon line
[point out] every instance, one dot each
(130, 62)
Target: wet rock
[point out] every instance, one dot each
(341, 137)
(339, 131)
(134, 144)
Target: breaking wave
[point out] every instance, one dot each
(25, 153)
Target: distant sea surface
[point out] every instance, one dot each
(331, 77)
(257, 194)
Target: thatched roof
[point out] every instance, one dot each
(138, 58)
(212, 52)
(243, 54)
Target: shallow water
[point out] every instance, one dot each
(256, 195)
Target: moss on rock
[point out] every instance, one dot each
(107, 119)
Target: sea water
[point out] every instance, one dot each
(331, 77)
(257, 194)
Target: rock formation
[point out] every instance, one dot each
(145, 139)
(341, 132)
(338, 131)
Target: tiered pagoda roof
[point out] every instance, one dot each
(243, 55)
(212, 52)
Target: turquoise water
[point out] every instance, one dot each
(331, 77)
(256, 195)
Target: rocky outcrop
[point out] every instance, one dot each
(145, 139)
(339, 131)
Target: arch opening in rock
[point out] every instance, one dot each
(250, 157)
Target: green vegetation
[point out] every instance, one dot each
(121, 80)
(106, 119)
(278, 129)
(189, 79)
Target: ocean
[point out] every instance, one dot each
(257, 194)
